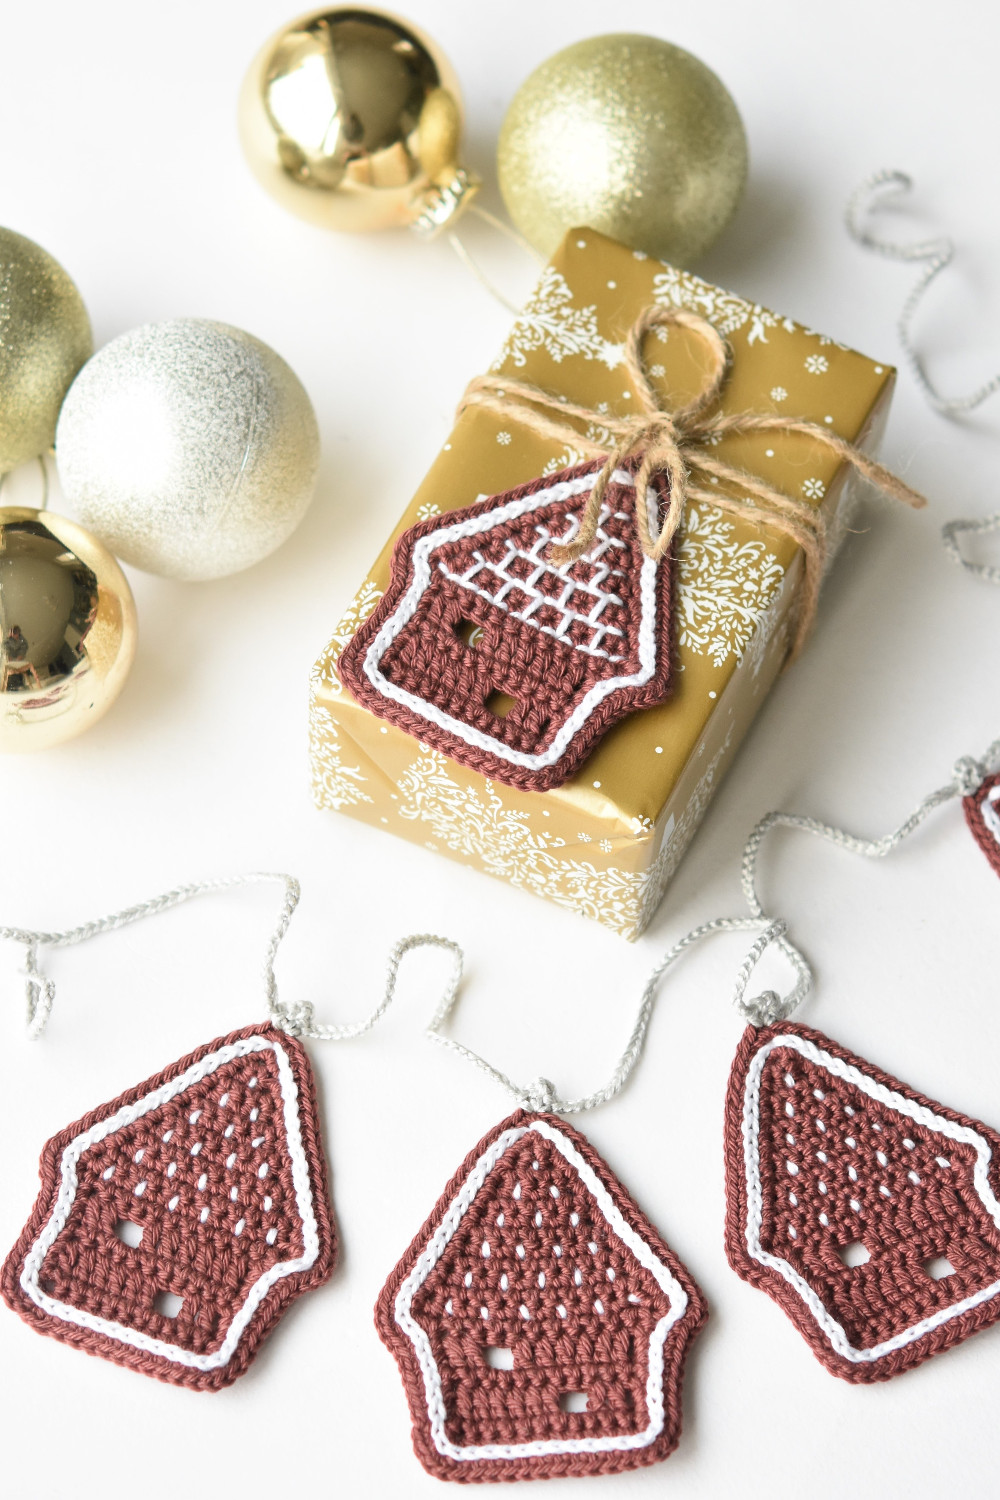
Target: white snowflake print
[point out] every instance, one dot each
(813, 489)
(549, 321)
(606, 846)
(584, 838)
(778, 393)
(724, 586)
(642, 826)
(658, 371)
(639, 255)
(817, 364)
(428, 509)
(503, 438)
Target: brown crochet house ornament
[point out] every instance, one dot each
(867, 1211)
(176, 1224)
(539, 1322)
(504, 659)
(982, 813)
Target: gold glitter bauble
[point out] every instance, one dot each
(44, 339)
(351, 118)
(629, 135)
(67, 629)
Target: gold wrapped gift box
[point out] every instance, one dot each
(607, 842)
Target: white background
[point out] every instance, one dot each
(119, 154)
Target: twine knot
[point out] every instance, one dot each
(674, 444)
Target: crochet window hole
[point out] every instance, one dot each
(130, 1234)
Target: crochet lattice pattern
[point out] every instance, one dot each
(175, 1225)
(982, 812)
(868, 1212)
(539, 1322)
(486, 650)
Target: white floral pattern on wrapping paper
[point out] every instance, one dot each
(335, 784)
(549, 321)
(473, 822)
(724, 586)
(673, 287)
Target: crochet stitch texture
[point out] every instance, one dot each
(175, 1225)
(512, 665)
(982, 813)
(867, 1211)
(539, 1322)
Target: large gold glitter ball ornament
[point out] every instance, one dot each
(629, 135)
(44, 339)
(352, 118)
(189, 447)
(67, 629)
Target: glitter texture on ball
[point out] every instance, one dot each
(629, 135)
(189, 447)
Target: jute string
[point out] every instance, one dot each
(676, 444)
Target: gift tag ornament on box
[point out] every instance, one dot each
(496, 654)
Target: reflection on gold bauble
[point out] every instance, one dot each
(44, 339)
(67, 629)
(629, 135)
(351, 118)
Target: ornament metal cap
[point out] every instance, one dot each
(351, 118)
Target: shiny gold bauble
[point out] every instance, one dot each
(67, 629)
(44, 339)
(352, 119)
(629, 135)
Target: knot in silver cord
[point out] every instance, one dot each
(969, 775)
(539, 1097)
(767, 1008)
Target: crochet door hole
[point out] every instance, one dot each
(167, 1304)
(499, 1359)
(130, 1234)
(853, 1255)
(573, 1401)
(938, 1268)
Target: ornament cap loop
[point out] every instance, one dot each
(440, 206)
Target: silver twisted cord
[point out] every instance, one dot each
(938, 254)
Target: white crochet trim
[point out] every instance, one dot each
(566, 489)
(429, 1257)
(916, 1112)
(990, 809)
(126, 1116)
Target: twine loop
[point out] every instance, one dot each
(676, 444)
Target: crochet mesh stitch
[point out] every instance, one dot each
(825, 1155)
(531, 1273)
(193, 1197)
(982, 813)
(487, 618)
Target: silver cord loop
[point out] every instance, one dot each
(867, 198)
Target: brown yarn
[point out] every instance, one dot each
(674, 443)
(840, 1167)
(981, 831)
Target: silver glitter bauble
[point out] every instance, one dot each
(44, 339)
(628, 135)
(189, 447)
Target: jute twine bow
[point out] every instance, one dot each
(677, 443)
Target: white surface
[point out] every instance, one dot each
(120, 156)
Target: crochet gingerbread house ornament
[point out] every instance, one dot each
(982, 812)
(539, 1322)
(868, 1212)
(176, 1224)
(503, 659)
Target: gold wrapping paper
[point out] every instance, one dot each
(607, 842)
